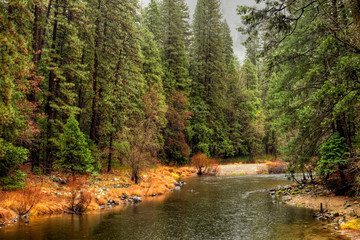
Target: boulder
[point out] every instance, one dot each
(123, 197)
(285, 199)
(135, 199)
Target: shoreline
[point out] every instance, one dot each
(55, 194)
(108, 190)
(339, 213)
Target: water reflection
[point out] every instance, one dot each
(205, 208)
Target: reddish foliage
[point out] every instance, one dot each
(28, 105)
(151, 102)
(177, 117)
(204, 165)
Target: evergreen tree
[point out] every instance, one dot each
(74, 154)
(153, 20)
(209, 130)
(15, 65)
(175, 29)
(228, 44)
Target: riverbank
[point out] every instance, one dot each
(58, 193)
(268, 167)
(340, 213)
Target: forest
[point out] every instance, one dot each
(87, 85)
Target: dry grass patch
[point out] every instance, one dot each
(22, 201)
(6, 215)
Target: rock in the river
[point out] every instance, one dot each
(180, 183)
(135, 199)
(177, 188)
(123, 197)
(285, 199)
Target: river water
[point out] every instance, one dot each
(236, 207)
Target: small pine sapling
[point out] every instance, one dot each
(74, 154)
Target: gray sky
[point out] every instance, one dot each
(229, 13)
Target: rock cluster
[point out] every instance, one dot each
(135, 199)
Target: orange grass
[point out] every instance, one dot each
(6, 215)
(43, 197)
(276, 167)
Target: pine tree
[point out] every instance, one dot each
(74, 154)
(62, 66)
(177, 82)
(209, 130)
(175, 15)
(121, 82)
(153, 21)
(15, 65)
(228, 44)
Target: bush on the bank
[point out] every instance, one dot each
(334, 153)
(204, 165)
(10, 158)
(276, 167)
(80, 198)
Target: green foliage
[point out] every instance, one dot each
(10, 158)
(310, 86)
(334, 154)
(74, 153)
(14, 181)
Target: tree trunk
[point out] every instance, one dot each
(94, 110)
(37, 35)
(110, 151)
(44, 30)
(48, 109)
(355, 12)
(80, 93)
(345, 132)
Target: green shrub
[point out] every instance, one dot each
(13, 181)
(10, 159)
(37, 170)
(334, 153)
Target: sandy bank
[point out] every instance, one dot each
(242, 169)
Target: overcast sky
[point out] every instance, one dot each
(229, 12)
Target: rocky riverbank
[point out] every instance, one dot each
(337, 212)
(59, 193)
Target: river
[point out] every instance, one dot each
(236, 207)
